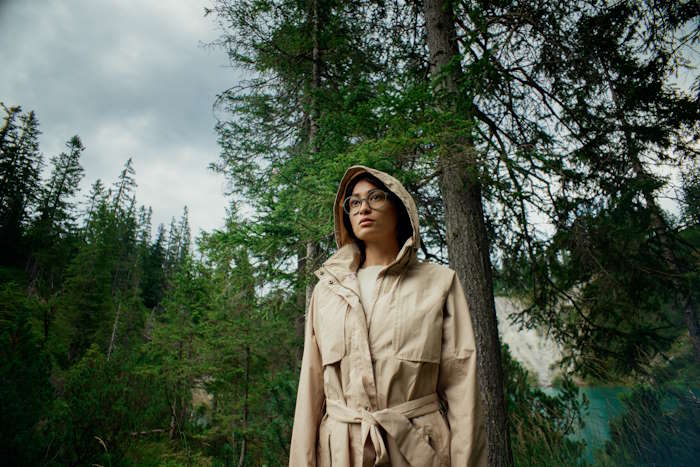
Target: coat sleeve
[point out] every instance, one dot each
(458, 386)
(310, 398)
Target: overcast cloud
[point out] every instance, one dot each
(132, 79)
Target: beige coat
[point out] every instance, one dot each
(382, 387)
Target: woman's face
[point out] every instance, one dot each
(373, 225)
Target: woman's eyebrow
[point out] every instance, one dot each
(365, 192)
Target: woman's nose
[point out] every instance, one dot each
(364, 205)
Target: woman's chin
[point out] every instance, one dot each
(369, 238)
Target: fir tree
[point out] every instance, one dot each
(20, 167)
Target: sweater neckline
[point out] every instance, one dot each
(375, 266)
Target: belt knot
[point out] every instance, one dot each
(395, 421)
(368, 417)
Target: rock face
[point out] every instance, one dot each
(537, 352)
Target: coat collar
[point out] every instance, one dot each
(344, 263)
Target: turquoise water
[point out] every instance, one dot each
(604, 404)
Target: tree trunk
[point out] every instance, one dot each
(114, 330)
(173, 421)
(466, 234)
(308, 262)
(300, 301)
(241, 459)
(311, 246)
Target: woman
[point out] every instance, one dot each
(388, 339)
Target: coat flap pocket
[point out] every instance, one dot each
(332, 351)
(331, 331)
(417, 327)
(463, 353)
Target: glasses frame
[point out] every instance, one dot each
(346, 206)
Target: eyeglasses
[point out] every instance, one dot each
(375, 199)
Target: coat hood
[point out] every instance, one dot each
(348, 255)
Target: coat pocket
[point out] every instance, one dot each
(434, 427)
(331, 330)
(417, 333)
(323, 444)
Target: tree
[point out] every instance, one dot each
(20, 166)
(467, 242)
(56, 205)
(535, 140)
(312, 66)
(245, 350)
(55, 223)
(577, 113)
(175, 343)
(153, 283)
(25, 370)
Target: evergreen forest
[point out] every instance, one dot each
(553, 157)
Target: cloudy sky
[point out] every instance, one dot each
(132, 79)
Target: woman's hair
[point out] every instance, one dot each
(404, 230)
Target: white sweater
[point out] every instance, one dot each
(367, 277)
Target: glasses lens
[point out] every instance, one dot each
(376, 198)
(351, 204)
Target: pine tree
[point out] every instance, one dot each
(56, 205)
(124, 187)
(246, 362)
(20, 166)
(95, 198)
(545, 120)
(153, 284)
(175, 341)
(52, 230)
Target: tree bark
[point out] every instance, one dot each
(311, 246)
(241, 459)
(467, 242)
(114, 330)
(300, 301)
(308, 262)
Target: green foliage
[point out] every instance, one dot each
(119, 349)
(101, 403)
(617, 298)
(542, 426)
(73, 320)
(25, 392)
(659, 425)
(20, 167)
(174, 355)
(574, 112)
(154, 277)
(244, 361)
(691, 196)
(650, 434)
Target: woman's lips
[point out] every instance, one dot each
(366, 222)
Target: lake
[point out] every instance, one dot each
(604, 404)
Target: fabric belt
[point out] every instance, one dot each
(396, 422)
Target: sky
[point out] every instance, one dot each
(132, 78)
